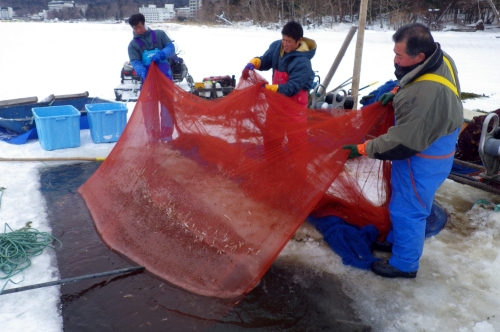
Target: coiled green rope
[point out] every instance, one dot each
(16, 248)
(486, 204)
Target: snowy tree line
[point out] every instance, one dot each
(311, 13)
(328, 12)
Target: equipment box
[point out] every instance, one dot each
(106, 121)
(58, 127)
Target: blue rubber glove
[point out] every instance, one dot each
(159, 56)
(248, 67)
(142, 73)
(254, 63)
(386, 98)
(165, 53)
(354, 150)
(140, 69)
(169, 50)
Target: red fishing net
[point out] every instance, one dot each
(208, 203)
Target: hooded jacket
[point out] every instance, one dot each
(424, 111)
(296, 63)
(135, 50)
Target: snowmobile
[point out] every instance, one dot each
(131, 83)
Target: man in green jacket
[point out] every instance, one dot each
(421, 144)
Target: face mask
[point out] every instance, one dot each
(402, 71)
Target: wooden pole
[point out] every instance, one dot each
(320, 91)
(359, 52)
(339, 57)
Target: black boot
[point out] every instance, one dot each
(384, 269)
(382, 246)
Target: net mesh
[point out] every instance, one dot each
(206, 193)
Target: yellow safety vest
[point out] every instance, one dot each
(441, 79)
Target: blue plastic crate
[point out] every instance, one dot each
(106, 121)
(58, 127)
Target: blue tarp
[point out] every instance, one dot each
(349, 242)
(354, 244)
(386, 87)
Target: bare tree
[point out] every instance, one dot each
(383, 9)
(253, 9)
(317, 12)
(331, 5)
(400, 12)
(351, 5)
(341, 10)
(494, 9)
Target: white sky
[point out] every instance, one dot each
(458, 284)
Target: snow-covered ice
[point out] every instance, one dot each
(458, 284)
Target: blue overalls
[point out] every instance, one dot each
(166, 121)
(414, 183)
(147, 57)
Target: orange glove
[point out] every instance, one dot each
(362, 148)
(357, 150)
(255, 62)
(272, 87)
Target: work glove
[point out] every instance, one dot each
(386, 98)
(272, 87)
(142, 72)
(253, 64)
(169, 50)
(159, 56)
(140, 69)
(366, 99)
(354, 151)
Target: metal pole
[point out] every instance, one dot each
(321, 90)
(359, 52)
(75, 279)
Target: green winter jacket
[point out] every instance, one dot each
(424, 111)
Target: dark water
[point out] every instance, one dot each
(288, 298)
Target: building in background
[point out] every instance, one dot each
(153, 14)
(183, 12)
(194, 7)
(59, 5)
(38, 17)
(6, 13)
